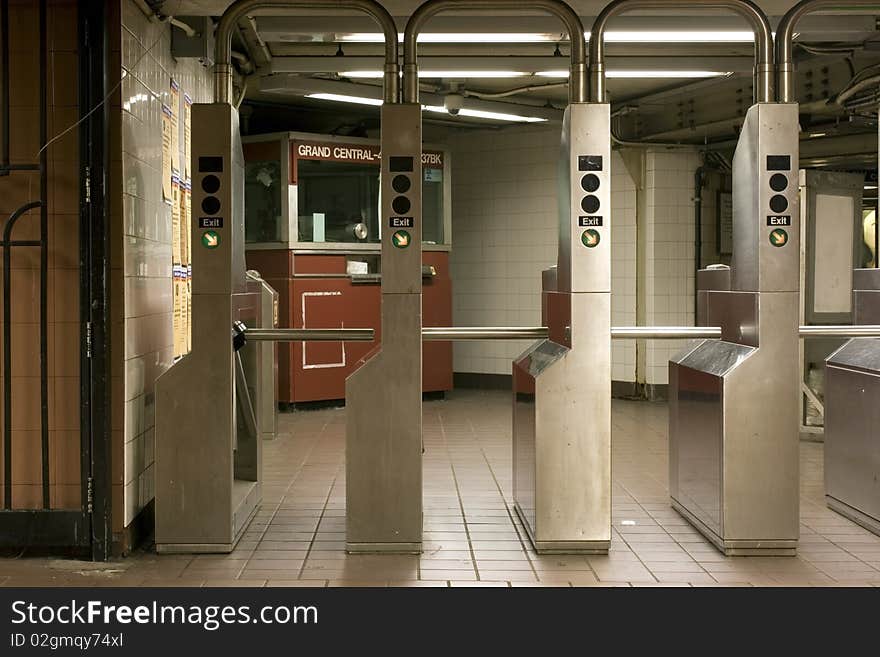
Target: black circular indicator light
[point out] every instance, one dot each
(778, 182)
(590, 204)
(779, 203)
(210, 184)
(400, 184)
(400, 205)
(210, 205)
(590, 182)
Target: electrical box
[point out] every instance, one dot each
(199, 46)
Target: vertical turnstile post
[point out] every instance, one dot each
(733, 427)
(562, 386)
(384, 395)
(207, 471)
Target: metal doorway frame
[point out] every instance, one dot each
(85, 530)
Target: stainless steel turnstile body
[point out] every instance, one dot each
(208, 449)
(384, 395)
(562, 386)
(733, 427)
(266, 401)
(852, 414)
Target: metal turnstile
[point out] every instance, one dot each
(209, 405)
(208, 448)
(562, 386)
(733, 416)
(852, 414)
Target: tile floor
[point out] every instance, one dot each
(471, 537)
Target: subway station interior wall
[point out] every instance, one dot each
(504, 213)
(142, 271)
(669, 273)
(63, 311)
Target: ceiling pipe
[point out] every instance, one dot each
(785, 78)
(240, 8)
(577, 91)
(757, 19)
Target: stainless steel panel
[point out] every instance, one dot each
(866, 279)
(861, 354)
(207, 476)
(713, 279)
(401, 137)
(585, 133)
(384, 437)
(769, 129)
(696, 431)
(562, 444)
(734, 407)
(866, 307)
(866, 296)
(716, 358)
(384, 395)
(852, 440)
(737, 315)
(761, 442)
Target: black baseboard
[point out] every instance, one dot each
(137, 533)
(478, 381)
(619, 389)
(657, 392)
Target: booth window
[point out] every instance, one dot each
(337, 201)
(262, 194)
(432, 206)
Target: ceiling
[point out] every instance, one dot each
(285, 57)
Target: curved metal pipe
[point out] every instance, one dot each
(240, 8)
(752, 13)
(785, 36)
(577, 91)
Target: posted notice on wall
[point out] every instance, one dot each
(167, 130)
(175, 127)
(187, 135)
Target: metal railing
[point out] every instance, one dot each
(310, 335)
(456, 333)
(460, 333)
(851, 331)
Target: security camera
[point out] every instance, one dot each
(453, 103)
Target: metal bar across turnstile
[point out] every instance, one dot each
(458, 333)
(865, 331)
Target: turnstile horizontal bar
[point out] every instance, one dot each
(664, 332)
(540, 332)
(311, 335)
(852, 331)
(433, 333)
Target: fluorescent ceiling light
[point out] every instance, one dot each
(479, 114)
(642, 74)
(618, 36)
(358, 100)
(453, 37)
(678, 36)
(441, 74)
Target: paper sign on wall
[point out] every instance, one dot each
(166, 153)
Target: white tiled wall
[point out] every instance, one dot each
(148, 67)
(504, 217)
(669, 252)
